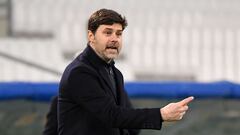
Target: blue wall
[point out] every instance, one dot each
(165, 90)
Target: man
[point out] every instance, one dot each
(92, 100)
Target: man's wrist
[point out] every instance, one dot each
(162, 114)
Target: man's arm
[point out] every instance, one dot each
(85, 88)
(129, 105)
(51, 125)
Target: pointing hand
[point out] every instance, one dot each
(175, 111)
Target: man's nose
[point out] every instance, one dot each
(114, 37)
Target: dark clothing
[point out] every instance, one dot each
(88, 105)
(112, 79)
(51, 126)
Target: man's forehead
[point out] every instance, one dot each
(114, 26)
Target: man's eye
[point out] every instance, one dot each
(108, 32)
(119, 34)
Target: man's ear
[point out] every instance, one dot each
(90, 36)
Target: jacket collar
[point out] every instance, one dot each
(99, 64)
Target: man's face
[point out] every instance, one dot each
(107, 41)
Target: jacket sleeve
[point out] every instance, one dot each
(51, 125)
(129, 105)
(85, 89)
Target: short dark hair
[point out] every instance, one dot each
(107, 17)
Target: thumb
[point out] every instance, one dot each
(186, 101)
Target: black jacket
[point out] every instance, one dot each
(51, 126)
(87, 105)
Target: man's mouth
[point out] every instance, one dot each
(112, 47)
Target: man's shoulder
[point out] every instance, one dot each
(80, 66)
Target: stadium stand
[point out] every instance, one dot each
(169, 40)
(30, 60)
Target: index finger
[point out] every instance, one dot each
(186, 101)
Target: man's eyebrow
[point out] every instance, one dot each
(108, 29)
(112, 29)
(119, 30)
